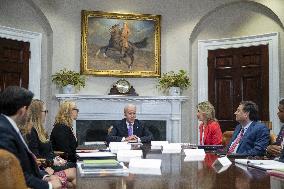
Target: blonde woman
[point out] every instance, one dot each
(209, 129)
(62, 136)
(38, 143)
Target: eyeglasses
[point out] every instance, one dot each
(45, 111)
(76, 109)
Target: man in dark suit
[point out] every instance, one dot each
(275, 149)
(129, 129)
(250, 137)
(14, 102)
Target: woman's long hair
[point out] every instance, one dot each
(207, 108)
(64, 113)
(34, 119)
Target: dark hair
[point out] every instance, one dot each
(281, 102)
(251, 108)
(13, 98)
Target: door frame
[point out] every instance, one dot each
(271, 39)
(34, 39)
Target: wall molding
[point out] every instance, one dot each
(270, 39)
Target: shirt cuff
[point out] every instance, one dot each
(138, 140)
(123, 139)
(43, 178)
(49, 185)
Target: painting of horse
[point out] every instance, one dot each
(120, 45)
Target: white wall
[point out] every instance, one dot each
(60, 23)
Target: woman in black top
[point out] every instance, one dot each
(38, 143)
(62, 136)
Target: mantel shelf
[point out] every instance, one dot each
(110, 107)
(117, 97)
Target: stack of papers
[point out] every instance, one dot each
(145, 166)
(96, 155)
(157, 145)
(115, 146)
(172, 148)
(261, 164)
(126, 155)
(194, 154)
(86, 170)
(102, 164)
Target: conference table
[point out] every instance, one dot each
(176, 173)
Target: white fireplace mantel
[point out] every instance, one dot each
(110, 107)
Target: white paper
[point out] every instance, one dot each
(96, 154)
(194, 152)
(145, 163)
(145, 166)
(115, 146)
(194, 158)
(224, 161)
(172, 148)
(263, 164)
(157, 145)
(126, 155)
(94, 143)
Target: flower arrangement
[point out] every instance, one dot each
(172, 79)
(68, 77)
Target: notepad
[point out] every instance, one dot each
(102, 164)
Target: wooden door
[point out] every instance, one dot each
(238, 74)
(14, 63)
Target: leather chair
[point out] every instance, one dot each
(11, 173)
(226, 137)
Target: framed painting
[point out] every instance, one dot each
(120, 45)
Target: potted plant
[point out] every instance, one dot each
(174, 82)
(69, 80)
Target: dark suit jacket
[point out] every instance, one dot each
(39, 149)
(120, 130)
(11, 141)
(255, 140)
(63, 139)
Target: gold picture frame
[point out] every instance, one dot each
(120, 45)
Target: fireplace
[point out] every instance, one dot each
(97, 130)
(161, 114)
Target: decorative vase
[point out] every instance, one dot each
(68, 89)
(174, 91)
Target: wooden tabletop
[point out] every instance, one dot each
(180, 174)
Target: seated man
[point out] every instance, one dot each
(129, 128)
(14, 103)
(250, 137)
(276, 148)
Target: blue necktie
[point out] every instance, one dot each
(130, 129)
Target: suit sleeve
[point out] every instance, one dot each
(62, 139)
(261, 142)
(33, 143)
(113, 135)
(7, 143)
(146, 135)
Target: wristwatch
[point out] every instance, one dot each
(122, 86)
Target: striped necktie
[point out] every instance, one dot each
(236, 142)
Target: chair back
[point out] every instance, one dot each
(268, 124)
(11, 172)
(226, 137)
